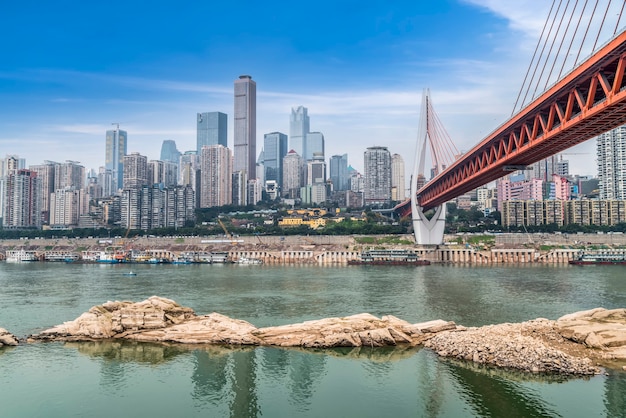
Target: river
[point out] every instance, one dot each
(130, 379)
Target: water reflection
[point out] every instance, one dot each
(614, 390)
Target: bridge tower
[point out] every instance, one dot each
(431, 136)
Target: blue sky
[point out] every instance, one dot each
(70, 69)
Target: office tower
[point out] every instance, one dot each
(611, 153)
(292, 175)
(135, 171)
(314, 145)
(377, 165)
(22, 202)
(339, 172)
(398, 184)
(298, 129)
(216, 176)
(274, 150)
(45, 175)
(316, 171)
(245, 126)
(169, 152)
(116, 148)
(212, 129)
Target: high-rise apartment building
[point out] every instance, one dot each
(398, 184)
(22, 202)
(66, 206)
(164, 173)
(69, 174)
(245, 126)
(298, 130)
(135, 171)
(116, 149)
(274, 150)
(212, 129)
(611, 153)
(45, 175)
(216, 176)
(292, 175)
(377, 165)
(8, 165)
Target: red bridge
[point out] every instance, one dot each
(585, 103)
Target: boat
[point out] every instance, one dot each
(18, 256)
(601, 257)
(129, 273)
(388, 258)
(246, 260)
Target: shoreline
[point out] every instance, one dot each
(330, 250)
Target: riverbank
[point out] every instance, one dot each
(575, 344)
(329, 250)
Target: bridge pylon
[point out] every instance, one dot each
(430, 134)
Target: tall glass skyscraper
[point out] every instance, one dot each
(116, 149)
(339, 172)
(298, 129)
(274, 150)
(169, 152)
(245, 126)
(212, 129)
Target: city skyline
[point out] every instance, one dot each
(361, 77)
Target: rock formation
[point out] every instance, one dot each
(569, 345)
(7, 338)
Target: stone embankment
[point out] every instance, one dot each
(573, 344)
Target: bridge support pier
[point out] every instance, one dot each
(429, 231)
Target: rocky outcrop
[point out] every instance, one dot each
(6, 338)
(532, 346)
(601, 329)
(571, 345)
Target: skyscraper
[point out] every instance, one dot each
(22, 205)
(298, 129)
(216, 176)
(135, 171)
(611, 152)
(377, 189)
(245, 126)
(339, 172)
(292, 175)
(274, 150)
(212, 129)
(398, 184)
(169, 152)
(116, 148)
(314, 146)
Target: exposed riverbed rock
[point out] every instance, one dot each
(574, 344)
(6, 338)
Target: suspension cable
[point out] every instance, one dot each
(601, 25)
(619, 18)
(558, 56)
(580, 18)
(533, 58)
(582, 43)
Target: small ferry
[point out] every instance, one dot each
(602, 257)
(389, 258)
(129, 274)
(18, 256)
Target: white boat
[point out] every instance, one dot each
(246, 260)
(16, 256)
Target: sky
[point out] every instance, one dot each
(69, 70)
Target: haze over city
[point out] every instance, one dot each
(71, 70)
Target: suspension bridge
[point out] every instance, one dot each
(587, 101)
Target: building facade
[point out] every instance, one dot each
(212, 129)
(377, 163)
(274, 150)
(22, 201)
(135, 171)
(216, 176)
(611, 154)
(116, 149)
(339, 172)
(299, 126)
(398, 183)
(292, 175)
(244, 150)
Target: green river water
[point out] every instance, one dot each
(113, 379)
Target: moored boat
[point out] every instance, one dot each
(246, 260)
(600, 257)
(389, 258)
(17, 256)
